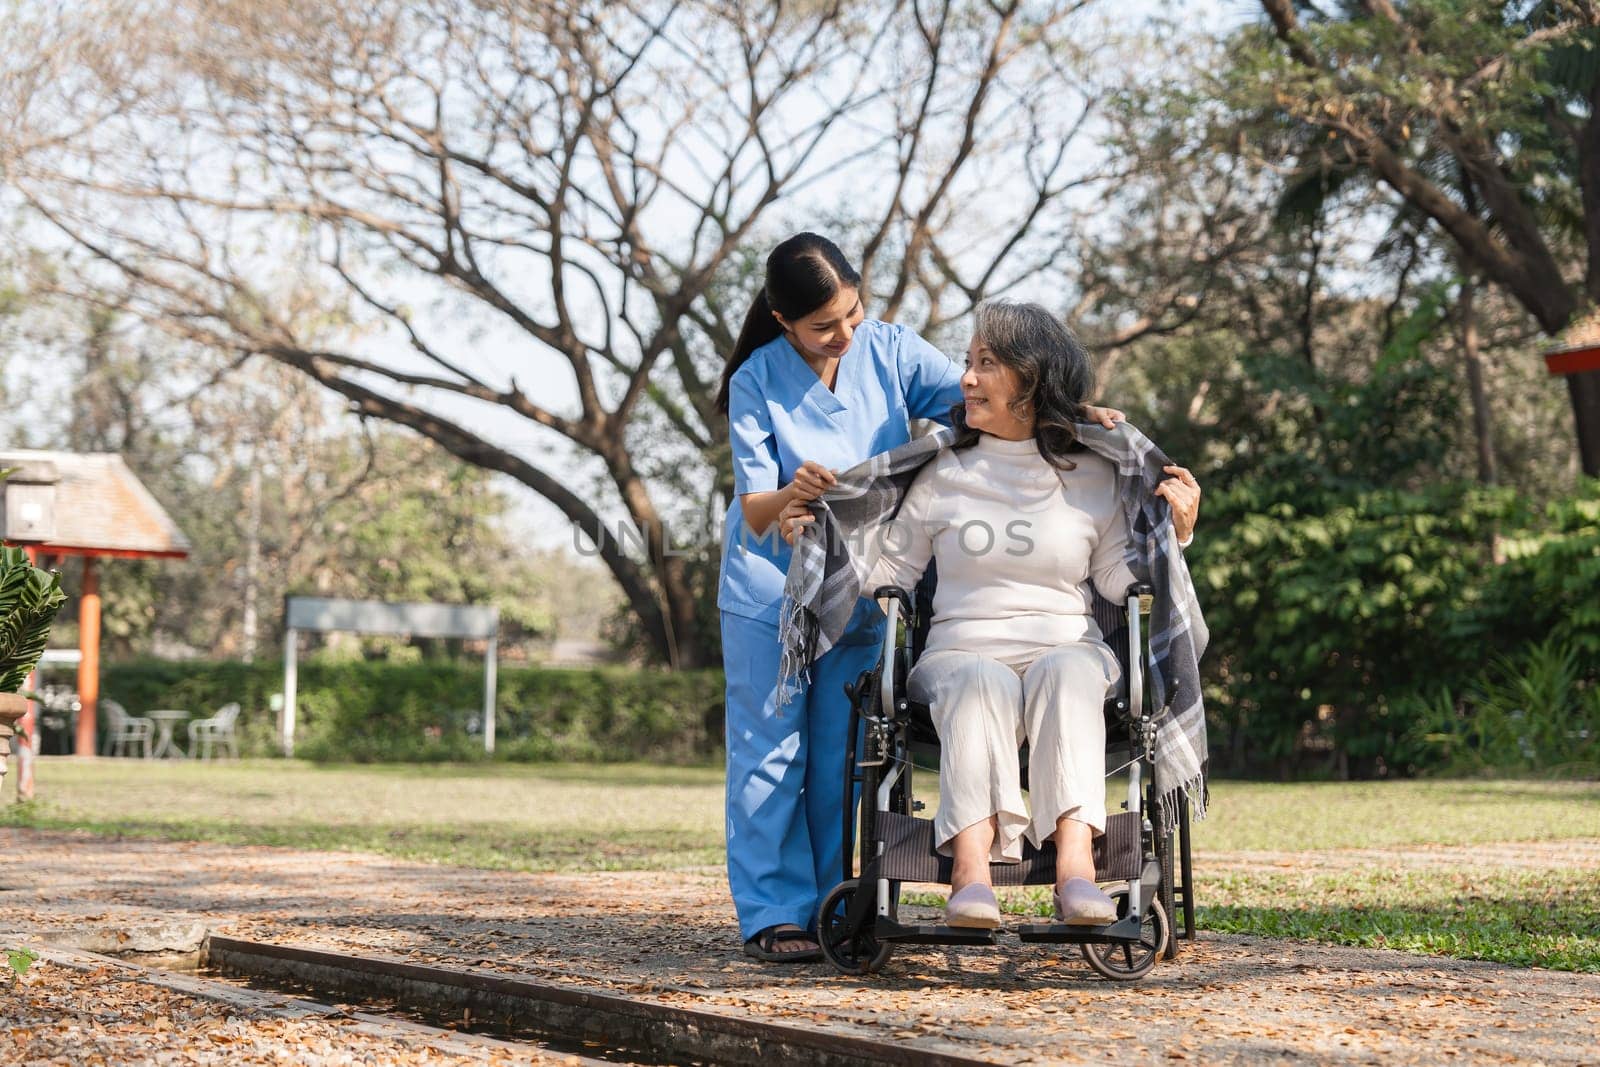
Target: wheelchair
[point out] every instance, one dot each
(1147, 872)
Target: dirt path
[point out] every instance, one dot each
(670, 936)
(69, 1011)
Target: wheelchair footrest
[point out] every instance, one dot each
(903, 934)
(1123, 930)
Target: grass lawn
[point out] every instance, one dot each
(1543, 918)
(495, 815)
(1540, 917)
(634, 816)
(1322, 815)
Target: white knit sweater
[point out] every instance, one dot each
(1016, 541)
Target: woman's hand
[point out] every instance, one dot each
(811, 481)
(795, 514)
(763, 509)
(1107, 417)
(1182, 494)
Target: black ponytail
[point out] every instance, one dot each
(758, 329)
(803, 274)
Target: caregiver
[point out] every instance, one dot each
(812, 386)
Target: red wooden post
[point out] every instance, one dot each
(1575, 355)
(1581, 367)
(89, 666)
(26, 742)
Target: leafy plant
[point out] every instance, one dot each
(1531, 711)
(1324, 613)
(29, 600)
(1551, 572)
(1386, 629)
(20, 959)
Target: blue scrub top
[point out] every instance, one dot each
(780, 415)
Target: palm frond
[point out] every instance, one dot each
(29, 601)
(1308, 191)
(1574, 66)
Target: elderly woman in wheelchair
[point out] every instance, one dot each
(1019, 520)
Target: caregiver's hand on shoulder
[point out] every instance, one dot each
(811, 480)
(795, 514)
(1107, 417)
(1182, 494)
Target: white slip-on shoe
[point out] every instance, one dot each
(1079, 902)
(973, 906)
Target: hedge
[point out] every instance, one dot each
(372, 711)
(1387, 631)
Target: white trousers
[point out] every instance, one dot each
(985, 708)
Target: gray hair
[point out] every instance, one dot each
(1053, 371)
(1041, 348)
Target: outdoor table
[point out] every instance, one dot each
(166, 720)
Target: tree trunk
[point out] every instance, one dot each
(1482, 423)
(682, 646)
(252, 566)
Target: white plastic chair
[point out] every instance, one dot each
(205, 734)
(123, 730)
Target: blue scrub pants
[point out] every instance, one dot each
(786, 770)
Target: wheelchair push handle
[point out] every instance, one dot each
(894, 592)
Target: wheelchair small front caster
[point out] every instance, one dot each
(853, 952)
(1129, 961)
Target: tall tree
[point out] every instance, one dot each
(278, 489)
(1274, 259)
(1504, 92)
(340, 187)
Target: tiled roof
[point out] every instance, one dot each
(1580, 333)
(101, 507)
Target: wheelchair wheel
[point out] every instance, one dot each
(1129, 962)
(852, 953)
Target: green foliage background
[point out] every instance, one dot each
(1381, 624)
(1373, 610)
(377, 711)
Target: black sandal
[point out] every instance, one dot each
(763, 946)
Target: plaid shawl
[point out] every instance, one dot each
(824, 583)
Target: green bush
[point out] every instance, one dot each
(1349, 626)
(1549, 584)
(1536, 711)
(372, 711)
(1321, 615)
